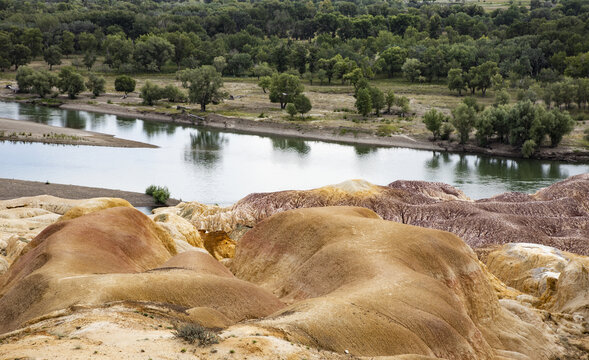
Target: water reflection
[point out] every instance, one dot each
(152, 129)
(205, 148)
(522, 170)
(74, 120)
(462, 168)
(285, 144)
(363, 150)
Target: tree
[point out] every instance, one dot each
(403, 103)
(502, 97)
(412, 69)
(239, 63)
(392, 59)
(433, 120)
(525, 123)
(19, 55)
(183, 46)
(284, 88)
(390, 100)
(87, 42)
(262, 70)
(364, 102)
(125, 83)
(265, 83)
(302, 104)
(42, 82)
(32, 38)
(150, 93)
(118, 50)
(291, 109)
(377, 99)
(484, 124)
(23, 79)
(463, 118)
(152, 51)
(204, 85)
(328, 66)
(482, 75)
(96, 84)
(67, 42)
(52, 56)
(89, 59)
(70, 82)
(557, 123)
(528, 148)
(173, 94)
(456, 80)
(220, 63)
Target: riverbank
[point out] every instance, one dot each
(11, 189)
(340, 134)
(355, 133)
(27, 131)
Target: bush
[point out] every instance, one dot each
(446, 130)
(291, 109)
(586, 134)
(192, 333)
(160, 194)
(528, 148)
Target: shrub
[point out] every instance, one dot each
(446, 130)
(160, 194)
(192, 333)
(586, 134)
(528, 148)
(291, 109)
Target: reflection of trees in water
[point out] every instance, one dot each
(363, 150)
(153, 128)
(74, 120)
(518, 169)
(36, 113)
(126, 123)
(205, 148)
(434, 162)
(461, 169)
(96, 120)
(298, 145)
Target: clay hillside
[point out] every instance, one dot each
(411, 270)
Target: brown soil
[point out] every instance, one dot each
(10, 189)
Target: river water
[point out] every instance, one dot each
(216, 167)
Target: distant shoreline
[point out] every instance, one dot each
(336, 134)
(12, 189)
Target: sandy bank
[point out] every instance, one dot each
(10, 189)
(339, 134)
(17, 130)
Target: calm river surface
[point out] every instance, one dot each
(210, 166)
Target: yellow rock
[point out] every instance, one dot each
(179, 228)
(218, 244)
(92, 205)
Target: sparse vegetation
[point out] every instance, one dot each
(194, 333)
(160, 194)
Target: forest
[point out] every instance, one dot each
(539, 50)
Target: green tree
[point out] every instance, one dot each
(528, 148)
(125, 83)
(482, 75)
(302, 104)
(284, 88)
(32, 38)
(23, 79)
(183, 46)
(433, 120)
(364, 102)
(19, 55)
(87, 42)
(390, 100)
(525, 123)
(377, 98)
(67, 42)
(173, 94)
(204, 85)
(152, 51)
(463, 119)
(150, 93)
(118, 51)
(484, 124)
(220, 63)
(239, 63)
(265, 82)
(412, 69)
(70, 82)
(557, 123)
(96, 84)
(456, 80)
(502, 97)
(403, 103)
(262, 70)
(52, 56)
(291, 110)
(89, 59)
(392, 59)
(42, 82)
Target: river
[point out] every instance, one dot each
(216, 167)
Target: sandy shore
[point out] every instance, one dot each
(11, 189)
(27, 131)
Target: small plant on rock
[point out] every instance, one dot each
(160, 194)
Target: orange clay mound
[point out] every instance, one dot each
(119, 254)
(379, 288)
